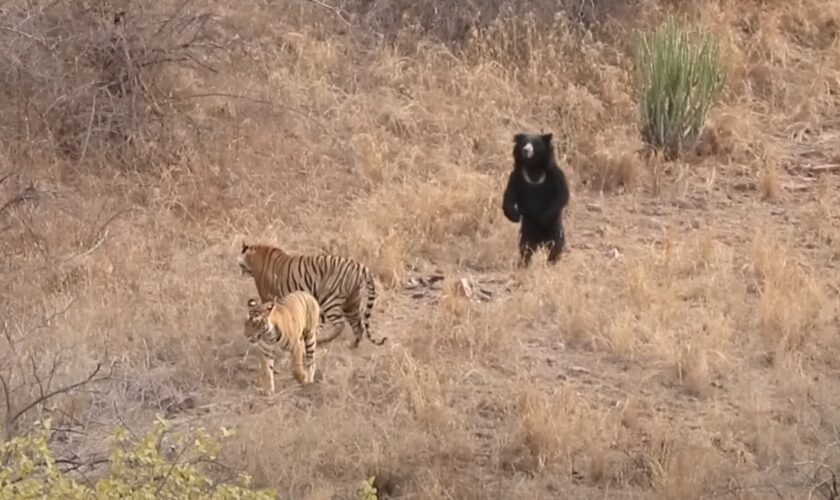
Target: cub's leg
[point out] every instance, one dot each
(297, 361)
(309, 342)
(267, 375)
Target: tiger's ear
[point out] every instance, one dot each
(252, 303)
(244, 247)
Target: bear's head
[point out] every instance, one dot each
(532, 152)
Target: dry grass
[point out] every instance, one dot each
(685, 347)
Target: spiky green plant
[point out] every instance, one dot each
(679, 78)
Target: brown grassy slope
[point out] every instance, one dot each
(686, 346)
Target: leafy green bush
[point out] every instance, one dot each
(679, 77)
(137, 470)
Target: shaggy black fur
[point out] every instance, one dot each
(536, 194)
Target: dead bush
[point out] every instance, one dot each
(89, 81)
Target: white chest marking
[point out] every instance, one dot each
(529, 180)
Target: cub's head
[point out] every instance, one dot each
(257, 323)
(532, 151)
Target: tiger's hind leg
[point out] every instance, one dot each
(331, 317)
(336, 330)
(350, 308)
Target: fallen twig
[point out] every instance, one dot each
(254, 100)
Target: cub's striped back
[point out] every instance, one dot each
(287, 324)
(336, 283)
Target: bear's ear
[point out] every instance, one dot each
(518, 138)
(547, 137)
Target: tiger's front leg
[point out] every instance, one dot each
(267, 375)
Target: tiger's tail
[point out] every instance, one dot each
(370, 286)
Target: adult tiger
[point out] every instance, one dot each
(287, 324)
(336, 282)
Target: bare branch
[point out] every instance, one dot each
(76, 463)
(175, 462)
(8, 398)
(89, 128)
(35, 375)
(25, 35)
(5, 177)
(335, 10)
(49, 319)
(254, 100)
(51, 394)
(28, 194)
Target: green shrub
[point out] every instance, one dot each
(137, 470)
(368, 491)
(679, 77)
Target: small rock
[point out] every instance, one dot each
(592, 207)
(463, 288)
(614, 253)
(579, 370)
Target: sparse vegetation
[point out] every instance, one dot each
(135, 470)
(685, 347)
(679, 78)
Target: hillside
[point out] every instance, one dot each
(686, 345)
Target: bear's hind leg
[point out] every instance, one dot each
(556, 245)
(526, 251)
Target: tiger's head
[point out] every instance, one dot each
(254, 259)
(244, 260)
(258, 325)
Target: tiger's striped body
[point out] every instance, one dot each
(287, 324)
(335, 282)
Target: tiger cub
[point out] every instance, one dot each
(289, 323)
(338, 283)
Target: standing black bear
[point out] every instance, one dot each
(536, 194)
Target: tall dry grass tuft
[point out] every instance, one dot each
(769, 182)
(791, 302)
